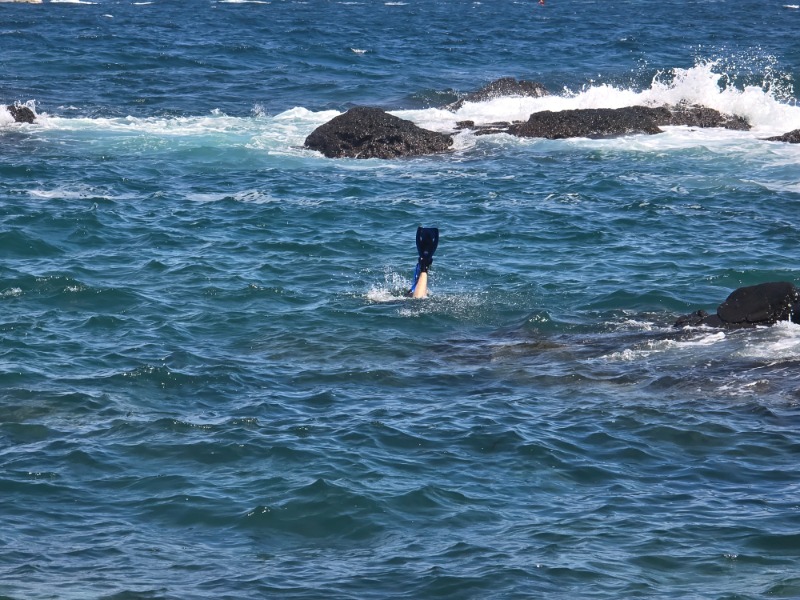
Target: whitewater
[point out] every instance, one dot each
(764, 106)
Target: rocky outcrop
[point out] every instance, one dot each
(505, 86)
(608, 122)
(763, 304)
(486, 128)
(702, 116)
(366, 132)
(21, 113)
(793, 137)
(589, 123)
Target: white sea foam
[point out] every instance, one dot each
(766, 345)
(636, 325)
(303, 115)
(380, 294)
(703, 84)
(779, 186)
(245, 196)
(5, 116)
(392, 289)
(766, 107)
(703, 339)
(777, 343)
(175, 126)
(73, 193)
(652, 348)
(285, 132)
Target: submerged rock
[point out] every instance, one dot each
(21, 113)
(763, 304)
(367, 132)
(505, 86)
(792, 137)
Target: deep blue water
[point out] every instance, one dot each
(212, 385)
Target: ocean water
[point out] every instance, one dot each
(213, 386)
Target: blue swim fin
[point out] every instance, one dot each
(427, 241)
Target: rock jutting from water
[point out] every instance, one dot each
(21, 113)
(608, 122)
(792, 137)
(762, 304)
(503, 87)
(367, 132)
(588, 123)
(701, 116)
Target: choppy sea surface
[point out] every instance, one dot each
(213, 386)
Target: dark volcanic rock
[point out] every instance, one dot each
(702, 116)
(485, 128)
(366, 132)
(21, 114)
(614, 122)
(506, 86)
(697, 318)
(763, 304)
(793, 137)
(589, 123)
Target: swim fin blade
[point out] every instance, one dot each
(427, 241)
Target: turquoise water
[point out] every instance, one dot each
(212, 384)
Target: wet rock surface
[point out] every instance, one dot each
(609, 122)
(505, 86)
(21, 114)
(589, 123)
(702, 116)
(762, 304)
(792, 137)
(368, 132)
